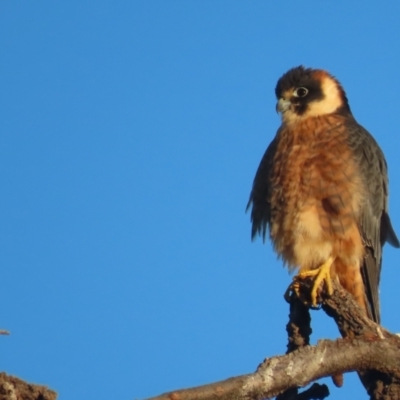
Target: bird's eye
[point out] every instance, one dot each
(300, 92)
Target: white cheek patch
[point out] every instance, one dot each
(331, 101)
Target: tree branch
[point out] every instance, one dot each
(367, 347)
(353, 323)
(12, 388)
(299, 332)
(299, 368)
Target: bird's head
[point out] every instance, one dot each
(305, 92)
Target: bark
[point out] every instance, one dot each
(12, 388)
(352, 322)
(299, 368)
(299, 332)
(367, 348)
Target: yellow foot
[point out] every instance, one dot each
(322, 274)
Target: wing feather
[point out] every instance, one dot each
(260, 194)
(373, 220)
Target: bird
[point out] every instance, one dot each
(321, 190)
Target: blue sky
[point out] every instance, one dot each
(131, 132)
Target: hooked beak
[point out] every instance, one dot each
(282, 105)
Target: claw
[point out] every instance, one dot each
(322, 274)
(294, 287)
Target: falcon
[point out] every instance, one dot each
(321, 190)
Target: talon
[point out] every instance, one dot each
(322, 274)
(294, 287)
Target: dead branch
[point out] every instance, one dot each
(299, 332)
(353, 323)
(299, 368)
(367, 347)
(12, 388)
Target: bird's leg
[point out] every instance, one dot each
(322, 274)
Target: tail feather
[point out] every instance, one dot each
(370, 271)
